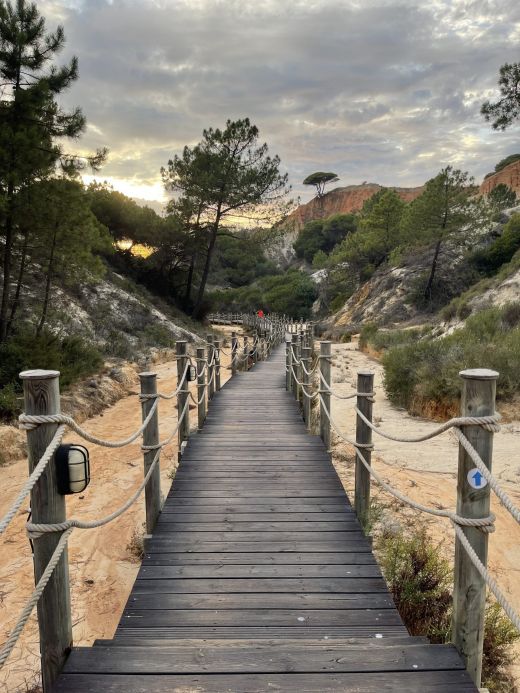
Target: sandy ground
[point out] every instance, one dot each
(427, 472)
(102, 567)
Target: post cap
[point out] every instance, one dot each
(479, 374)
(39, 374)
(365, 372)
(148, 374)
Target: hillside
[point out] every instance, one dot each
(385, 297)
(343, 201)
(338, 201)
(509, 175)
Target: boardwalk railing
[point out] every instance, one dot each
(472, 520)
(50, 529)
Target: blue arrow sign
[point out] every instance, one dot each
(475, 479)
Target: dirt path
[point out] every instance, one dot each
(102, 568)
(427, 472)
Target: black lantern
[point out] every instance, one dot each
(191, 375)
(72, 469)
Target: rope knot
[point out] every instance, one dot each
(29, 422)
(484, 524)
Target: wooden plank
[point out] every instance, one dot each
(257, 617)
(240, 631)
(329, 657)
(222, 528)
(254, 585)
(409, 682)
(144, 601)
(256, 517)
(361, 554)
(159, 572)
(171, 544)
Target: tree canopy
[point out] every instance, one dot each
(33, 126)
(503, 112)
(320, 179)
(226, 176)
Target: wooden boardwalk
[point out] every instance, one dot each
(258, 576)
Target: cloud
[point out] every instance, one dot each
(386, 91)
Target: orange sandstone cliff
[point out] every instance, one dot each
(342, 201)
(510, 175)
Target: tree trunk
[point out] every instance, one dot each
(8, 257)
(207, 265)
(47, 286)
(428, 290)
(189, 282)
(21, 272)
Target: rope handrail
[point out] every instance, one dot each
(485, 524)
(31, 422)
(489, 423)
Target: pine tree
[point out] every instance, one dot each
(30, 119)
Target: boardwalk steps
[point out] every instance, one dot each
(258, 576)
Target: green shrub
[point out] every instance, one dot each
(72, 356)
(499, 635)
(419, 579)
(9, 404)
(428, 370)
(156, 334)
(488, 260)
(367, 334)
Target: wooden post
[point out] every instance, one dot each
(217, 365)
(152, 489)
(182, 397)
(288, 363)
(234, 353)
(201, 388)
(255, 347)
(246, 353)
(211, 369)
(42, 396)
(473, 500)
(299, 369)
(365, 383)
(294, 363)
(325, 369)
(306, 360)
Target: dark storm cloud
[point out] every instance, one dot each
(386, 92)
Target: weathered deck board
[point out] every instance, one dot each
(258, 576)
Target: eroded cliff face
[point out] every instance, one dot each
(510, 176)
(343, 201)
(337, 201)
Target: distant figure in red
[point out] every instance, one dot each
(260, 313)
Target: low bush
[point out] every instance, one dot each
(427, 371)
(72, 356)
(420, 579)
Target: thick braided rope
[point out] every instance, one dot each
(172, 395)
(487, 474)
(489, 423)
(31, 481)
(11, 641)
(312, 369)
(368, 446)
(328, 391)
(168, 440)
(488, 579)
(485, 524)
(29, 422)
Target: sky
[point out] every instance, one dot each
(384, 91)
